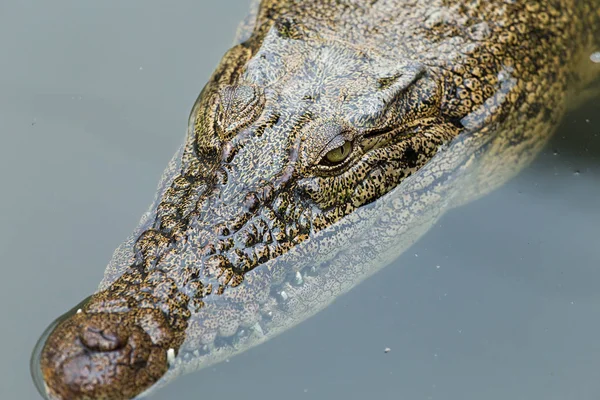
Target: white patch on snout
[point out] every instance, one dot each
(171, 356)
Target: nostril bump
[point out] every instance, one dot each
(107, 355)
(102, 339)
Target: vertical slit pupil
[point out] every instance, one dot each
(340, 153)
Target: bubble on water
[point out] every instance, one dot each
(595, 57)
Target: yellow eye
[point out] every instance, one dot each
(339, 154)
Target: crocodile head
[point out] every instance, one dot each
(292, 137)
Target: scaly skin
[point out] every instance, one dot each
(330, 137)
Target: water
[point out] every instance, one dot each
(94, 102)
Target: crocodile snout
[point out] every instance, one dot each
(99, 356)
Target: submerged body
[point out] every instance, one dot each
(330, 137)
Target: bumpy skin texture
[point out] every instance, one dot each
(330, 137)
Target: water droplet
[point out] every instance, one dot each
(595, 57)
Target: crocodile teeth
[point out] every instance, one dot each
(298, 280)
(284, 295)
(258, 329)
(241, 333)
(171, 356)
(240, 338)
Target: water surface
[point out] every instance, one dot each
(499, 300)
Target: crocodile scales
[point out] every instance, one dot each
(331, 136)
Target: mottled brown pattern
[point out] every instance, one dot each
(330, 137)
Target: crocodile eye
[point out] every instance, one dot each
(338, 155)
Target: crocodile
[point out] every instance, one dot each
(330, 137)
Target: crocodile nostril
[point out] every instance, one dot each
(107, 339)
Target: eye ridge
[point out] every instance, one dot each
(238, 106)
